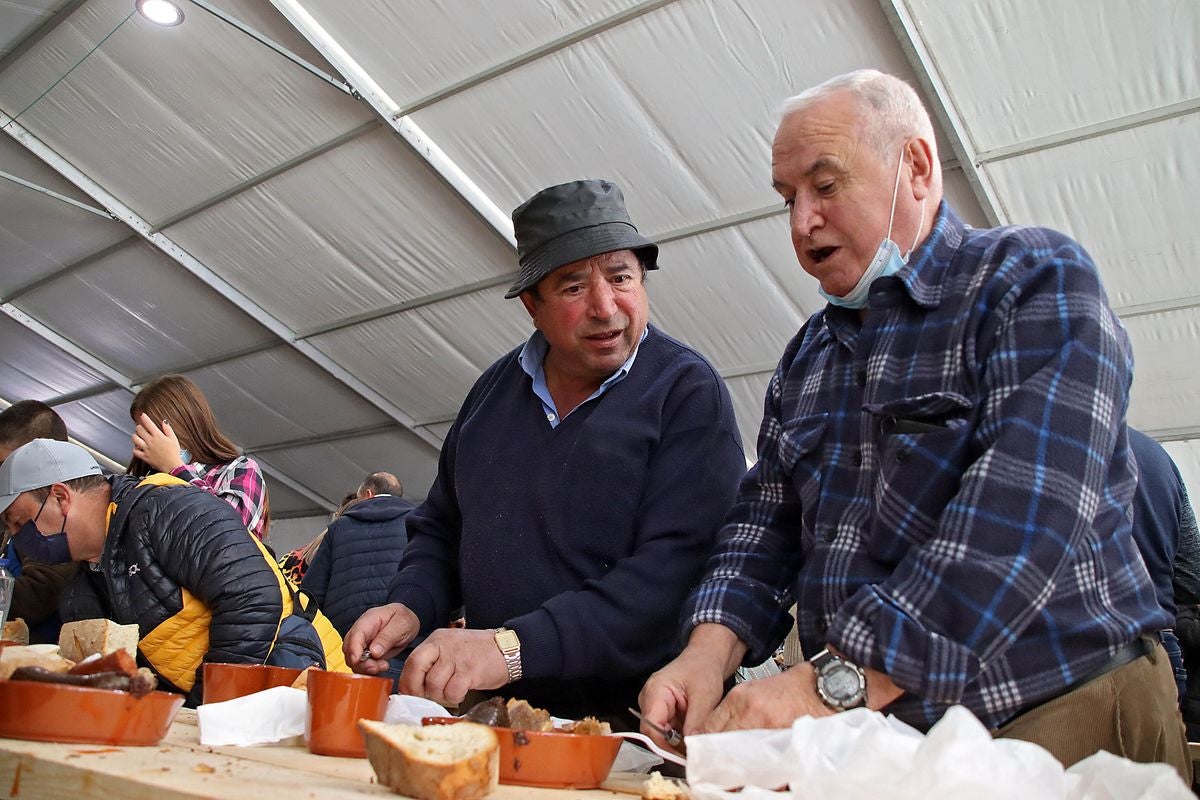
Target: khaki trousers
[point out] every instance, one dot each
(1132, 711)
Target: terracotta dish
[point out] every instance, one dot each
(227, 681)
(52, 712)
(550, 759)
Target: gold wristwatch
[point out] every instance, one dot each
(510, 648)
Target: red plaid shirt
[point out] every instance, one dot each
(239, 483)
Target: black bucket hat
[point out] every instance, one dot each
(571, 222)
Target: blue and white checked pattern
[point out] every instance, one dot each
(944, 487)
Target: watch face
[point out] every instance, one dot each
(841, 682)
(507, 640)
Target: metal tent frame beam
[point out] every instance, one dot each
(207, 276)
(389, 111)
(118, 380)
(905, 27)
(47, 27)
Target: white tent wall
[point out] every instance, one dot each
(335, 296)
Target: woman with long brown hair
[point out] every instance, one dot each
(175, 432)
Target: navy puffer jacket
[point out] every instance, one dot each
(356, 562)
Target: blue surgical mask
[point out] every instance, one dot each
(185, 456)
(33, 545)
(887, 260)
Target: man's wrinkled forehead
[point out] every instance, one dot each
(609, 263)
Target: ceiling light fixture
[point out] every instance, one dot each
(160, 12)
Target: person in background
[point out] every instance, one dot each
(168, 557)
(38, 563)
(1164, 527)
(26, 420)
(356, 562)
(578, 491)
(295, 563)
(944, 477)
(175, 432)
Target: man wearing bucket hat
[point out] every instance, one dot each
(160, 553)
(578, 492)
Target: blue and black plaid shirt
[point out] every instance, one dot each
(943, 488)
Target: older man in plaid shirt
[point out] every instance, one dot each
(944, 481)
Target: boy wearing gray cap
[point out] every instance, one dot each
(578, 491)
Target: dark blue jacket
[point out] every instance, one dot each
(356, 561)
(1164, 526)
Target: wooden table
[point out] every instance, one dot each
(180, 767)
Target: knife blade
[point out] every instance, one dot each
(671, 735)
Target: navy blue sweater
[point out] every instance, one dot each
(356, 561)
(586, 538)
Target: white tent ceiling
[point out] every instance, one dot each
(329, 268)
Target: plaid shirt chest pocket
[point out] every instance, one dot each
(924, 446)
(801, 462)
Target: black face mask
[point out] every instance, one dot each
(33, 545)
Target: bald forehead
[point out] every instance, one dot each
(839, 112)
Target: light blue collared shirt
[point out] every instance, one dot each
(532, 357)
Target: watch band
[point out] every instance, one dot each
(510, 647)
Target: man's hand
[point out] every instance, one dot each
(773, 702)
(158, 447)
(377, 635)
(683, 693)
(777, 701)
(452, 662)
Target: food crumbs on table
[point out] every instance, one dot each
(205, 768)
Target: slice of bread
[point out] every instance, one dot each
(78, 640)
(15, 630)
(38, 655)
(301, 681)
(657, 787)
(438, 762)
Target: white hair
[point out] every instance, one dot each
(892, 109)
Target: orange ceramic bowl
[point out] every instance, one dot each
(55, 712)
(227, 681)
(551, 759)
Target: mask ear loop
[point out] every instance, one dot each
(892, 216)
(895, 193)
(916, 235)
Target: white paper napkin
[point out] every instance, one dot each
(408, 710)
(260, 718)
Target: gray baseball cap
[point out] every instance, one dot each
(570, 222)
(40, 463)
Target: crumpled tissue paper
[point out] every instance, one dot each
(864, 755)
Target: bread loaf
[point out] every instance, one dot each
(438, 762)
(38, 655)
(78, 640)
(15, 630)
